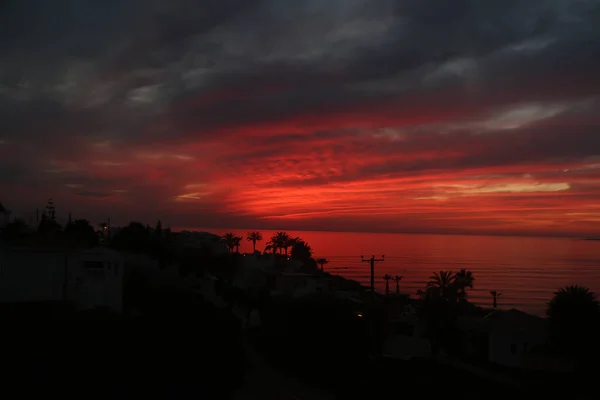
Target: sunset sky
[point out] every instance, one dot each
(463, 116)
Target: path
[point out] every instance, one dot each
(264, 382)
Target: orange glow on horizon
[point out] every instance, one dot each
(362, 172)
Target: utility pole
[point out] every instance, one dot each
(374, 341)
(372, 261)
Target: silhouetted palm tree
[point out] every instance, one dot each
(442, 281)
(254, 237)
(398, 279)
(463, 279)
(495, 296)
(574, 318)
(229, 240)
(280, 241)
(322, 262)
(292, 241)
(302, 251)
(270, 248)
(387, 279)
(237, 240)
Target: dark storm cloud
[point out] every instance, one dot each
(85, 44)
(155, 73)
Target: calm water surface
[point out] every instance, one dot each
(525, 270)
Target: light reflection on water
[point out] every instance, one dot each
(526, 270)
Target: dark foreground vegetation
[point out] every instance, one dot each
(176, 344)
(183, 347)
(330, 344)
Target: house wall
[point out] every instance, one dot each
(41, 276)
(97, 287)
(31, 276)
(505, 349)
(509, 348)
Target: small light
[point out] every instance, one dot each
(359, 315)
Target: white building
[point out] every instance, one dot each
(406, 340)
(98, 276)
(513, 335)
(91, 278)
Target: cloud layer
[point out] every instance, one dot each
(379, 115)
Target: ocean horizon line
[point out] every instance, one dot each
(229, 229)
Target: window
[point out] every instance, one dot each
(93, 264)
(93, 269)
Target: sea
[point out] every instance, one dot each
(525, 270)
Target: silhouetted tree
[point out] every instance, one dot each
(279, 241)
(237, 241)
(441, 304)
(463, 279)
(51, 210)
(442, 284)
(322, 262)
(398, 279)
(574, 318)
(387, 279)
(168, 245)
(162, 245)
(48, 224)
(301, 251)
(14, 230)
(292, 241)
(134, 238)
(82, 231)
(254, 237)
(158, 229)
(229, 240)
(270, 247)
(4, 216)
